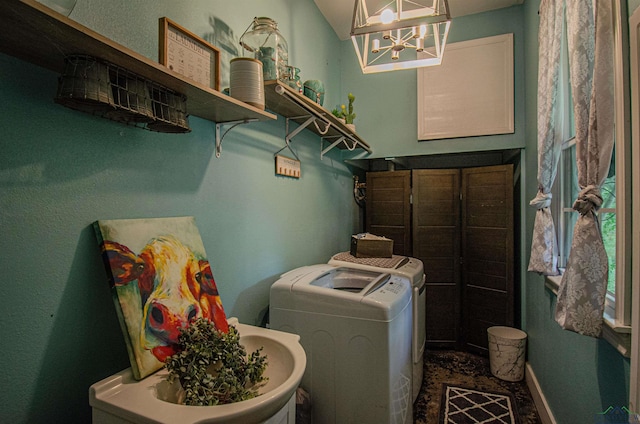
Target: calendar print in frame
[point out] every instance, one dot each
(185, 53)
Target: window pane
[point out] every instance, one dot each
(571, 188)
(606, 214)
(609, 186)
(608, 223)
(569, 219)
(569, 194)
(608, 226)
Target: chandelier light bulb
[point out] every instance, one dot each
(375, 46)
(395, 54)
(387, 16)
(423, 30)
(386, 35)
(419, 44)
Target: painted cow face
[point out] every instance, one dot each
(171, 304)
(175, 287)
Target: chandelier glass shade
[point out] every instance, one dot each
(399, 34)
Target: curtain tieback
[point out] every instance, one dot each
(541, 201)
(589, 199)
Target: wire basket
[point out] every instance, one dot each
(112, 92)
(169, 110)
(131, 95)
(85, 85)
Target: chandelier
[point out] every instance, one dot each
(399, 34)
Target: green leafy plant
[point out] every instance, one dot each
(213, 368)
(336, 112)
(347, 111)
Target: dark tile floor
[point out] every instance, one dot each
(467, 370)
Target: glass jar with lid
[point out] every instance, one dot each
(268, 46)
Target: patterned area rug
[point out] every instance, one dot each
(463, 405)
(466, 370)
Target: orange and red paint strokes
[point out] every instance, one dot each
(174, 287)
(210, 298)
(125, 265)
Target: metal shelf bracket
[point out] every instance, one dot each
(290, 134)
(322, 126)
(220, 135)
(339, 140)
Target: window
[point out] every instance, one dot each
(633, 170)
(614, 191)
(567, 190)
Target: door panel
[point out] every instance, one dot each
(436, 242)
(487, 251)
(482, 311)
(461, 227)
(443, 301)
(389, 208)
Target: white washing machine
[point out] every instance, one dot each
(413, 269)
(355, 327)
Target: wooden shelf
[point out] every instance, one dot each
(285, 101)
(37, 34)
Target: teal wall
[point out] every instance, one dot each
(60, 170)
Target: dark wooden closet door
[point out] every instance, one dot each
(389, 208)
(436, 242)
(487, 252)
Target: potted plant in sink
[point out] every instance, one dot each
(212, 368)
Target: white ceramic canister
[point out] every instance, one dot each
(246, 82)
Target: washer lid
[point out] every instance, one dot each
(348, 292)
(409, 267)
(351, 280)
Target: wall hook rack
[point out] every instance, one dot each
(220, 135)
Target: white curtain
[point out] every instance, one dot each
(583, 287)
(544, 247)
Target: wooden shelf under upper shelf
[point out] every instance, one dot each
(285, 101)
(37, 34)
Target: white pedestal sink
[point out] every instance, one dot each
(122, 399)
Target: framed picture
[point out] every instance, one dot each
(189, 55)
(160, 279)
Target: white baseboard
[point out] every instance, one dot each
(538, 397)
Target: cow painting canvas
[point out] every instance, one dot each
(160, 280)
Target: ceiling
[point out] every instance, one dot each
(340, 12)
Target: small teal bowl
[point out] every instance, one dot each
(314, 89)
